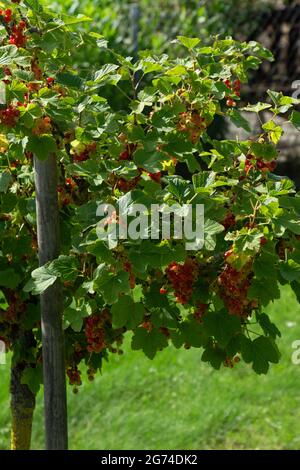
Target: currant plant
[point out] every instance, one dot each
(211, 298)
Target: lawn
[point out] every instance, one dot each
(177, 402)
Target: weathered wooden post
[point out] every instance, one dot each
(55, 400)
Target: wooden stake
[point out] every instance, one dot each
(55, 400)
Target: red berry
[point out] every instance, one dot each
(124, 155)
(263, 241)
(22, 24)
(155, 176)
(50, 80)
(163, 290)
(237, 85)
(231, 103)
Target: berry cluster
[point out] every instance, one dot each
(155, 177)
(235, 88)
(165, 331)
(36, 69)
(128, 268)
(125, 185)
(233, 288)
(17, 37)
(9, 116)
(85, 153)
(192, 123)
(229, 220)
(231, 361)
(91, 372)
(6, 15)
(15, 309)
(200, 312)
(67, 191)
(182, 278)
(128, 152)
(95, 334)
(258, 164)
(147, 325)
(42, 126)
(74, 374)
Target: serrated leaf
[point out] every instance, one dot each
(150, 342)
(264, 151)
(111, 285)
(269, 328)
(125, 312)
(214, 356)
(295, 119)
(221, 326)
(256, 108)
(190, 43)
(33, 378)
(69, 79)
(42, 146)
(290, 270)
(264, 291)
(239, 120)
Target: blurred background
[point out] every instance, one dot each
(175, 401)
(134, 26)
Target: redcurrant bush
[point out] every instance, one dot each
(211, 298)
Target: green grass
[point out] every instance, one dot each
(177, 402)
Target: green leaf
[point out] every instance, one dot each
(193, 333)
(264, 351)
(265, 151)
(111, 285)
(42, 278)
(5, 181)
(211, 228)
(264, 291)
(190, 43)
(260, 352)
(269, 328)
(238, 120)
(9, 278)
(150, 342)
(104, 71)
(290, 270)
(264, 266)
(3, 302)
(214, 356)
(42, 146)
(65, 267)
(33, 378)
(74, 315)
(222, 327)
(256, 108)
(287, 222)
(295, 119)
(273, 130)
(125, 312)
(150, 161)
(69, 79)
